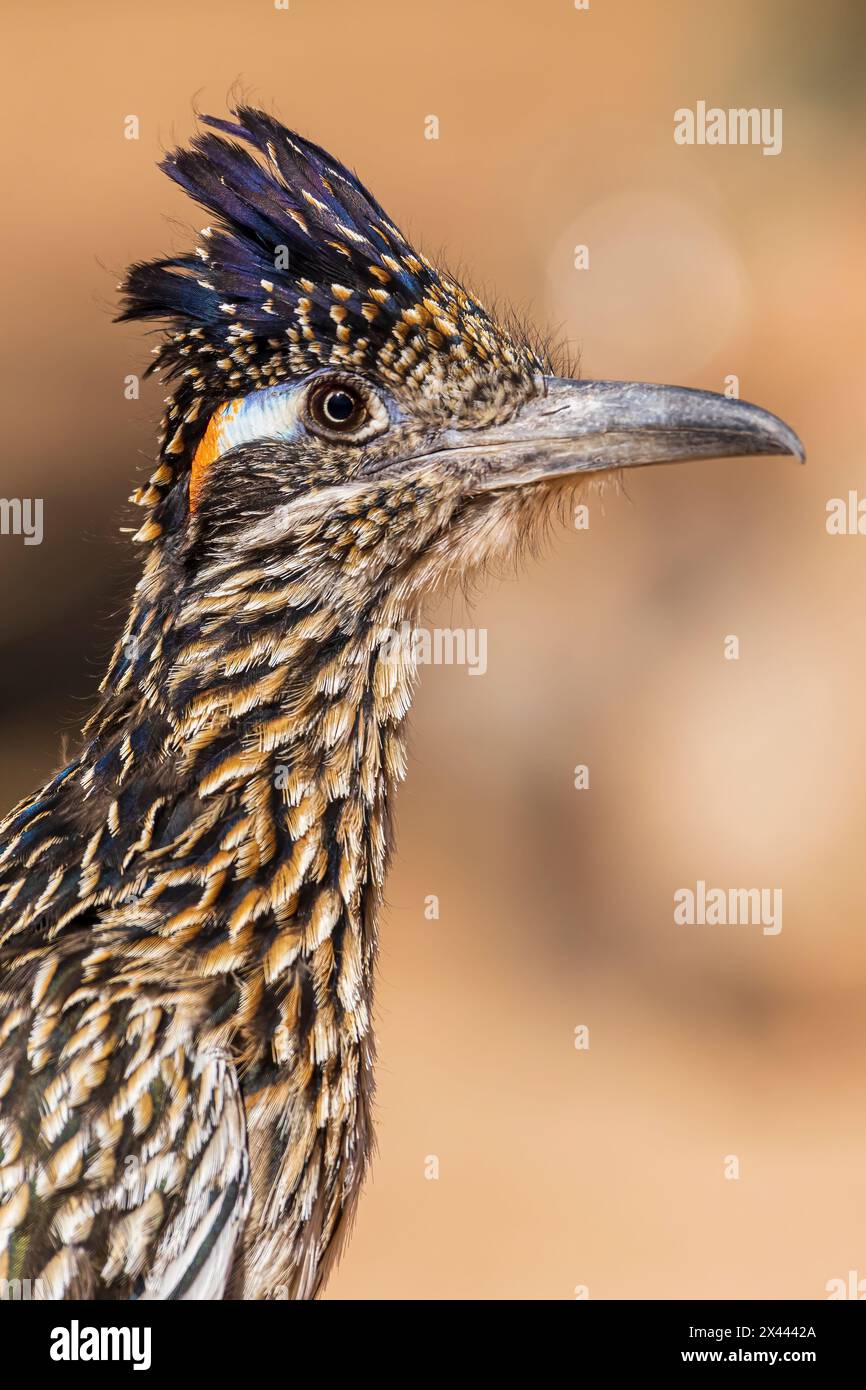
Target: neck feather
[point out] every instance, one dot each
(238, 770)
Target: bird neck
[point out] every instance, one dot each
(245, 746)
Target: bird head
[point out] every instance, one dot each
(343, 409)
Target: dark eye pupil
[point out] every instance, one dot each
(339, 406)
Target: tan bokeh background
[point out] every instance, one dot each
(557, 1167)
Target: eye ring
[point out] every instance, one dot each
(345, 409)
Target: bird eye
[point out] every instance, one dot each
(346, 410)
(339, 407)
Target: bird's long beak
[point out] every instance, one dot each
(583, 426)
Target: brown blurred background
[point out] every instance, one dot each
(557, 1167)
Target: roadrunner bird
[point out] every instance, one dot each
(188, 911)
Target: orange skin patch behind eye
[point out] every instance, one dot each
(209, 449)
